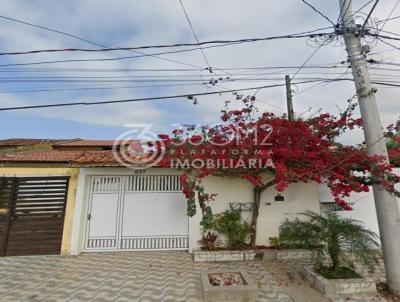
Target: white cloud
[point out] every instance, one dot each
(137, 22)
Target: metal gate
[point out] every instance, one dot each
(138, 212)
(32, 213)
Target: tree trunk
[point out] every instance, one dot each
(334, 255)
(256, 210)
(257, 191)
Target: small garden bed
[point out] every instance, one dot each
(226, 238)
(340, 242)
(228, 285)
(341, 272)
(333, 287)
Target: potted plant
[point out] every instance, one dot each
(344, 241)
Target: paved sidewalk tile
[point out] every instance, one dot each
(119, 277)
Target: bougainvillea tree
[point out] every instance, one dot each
(270, 151)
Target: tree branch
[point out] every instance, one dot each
(267, 185)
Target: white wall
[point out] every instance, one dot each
(363, 208)
(298, 198)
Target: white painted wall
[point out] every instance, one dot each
(363, 208)
(298, 198)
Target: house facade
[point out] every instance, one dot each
(119, 209)
(37, 207)
(108, 207)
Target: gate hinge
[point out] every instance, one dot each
(89, 217)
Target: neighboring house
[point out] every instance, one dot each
(363, 205)
(26, 144)
(36, 202)
(114, 208)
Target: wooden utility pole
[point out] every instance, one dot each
(289, 98)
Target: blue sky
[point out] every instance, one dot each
(137, 22)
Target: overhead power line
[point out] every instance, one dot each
(389, 44)
(177, 76)
(90, 42)
(194, 34)
(390, 14)
(64, 69)
(362, 7)
(187, 95)
(384, 36)
(386, 84)
(319, 12)
(343, 11)
(307, 60)
(118, 58)
(369, 16)
(389, 19)
(306, 34)
(49, 80)
(99, 88)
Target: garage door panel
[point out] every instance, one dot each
(148, 212)
(152, 214)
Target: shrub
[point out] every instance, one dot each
(342, 239)
(275, 242)
(210, 241)
(235, 230)
(342, 272)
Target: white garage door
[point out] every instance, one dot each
(140, 212)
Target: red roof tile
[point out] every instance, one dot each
(95, 158)
(15, 142)
(51, 156)
(93, 143)
(79, 157)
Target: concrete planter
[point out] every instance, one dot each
(247, 291)
(334, 287)
(290, 254)
(211, 256)
(245, 255)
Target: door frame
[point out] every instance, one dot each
(7, 218)
(79, 228)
